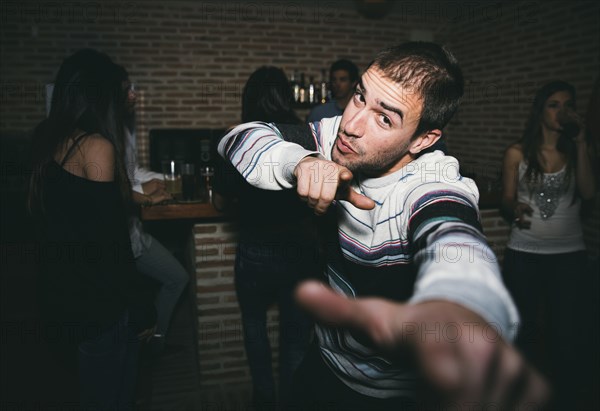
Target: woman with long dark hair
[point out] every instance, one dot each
(90, 294)
(268, 96)
(276, 249)
(546, 175)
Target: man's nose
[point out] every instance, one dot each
(355, 126)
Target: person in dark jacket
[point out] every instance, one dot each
(277, 248)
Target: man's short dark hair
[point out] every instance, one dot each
(347, 65)
(429, 70)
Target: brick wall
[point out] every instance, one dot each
(220, 335)
(190, 61)
(507, 51)
(189, 58)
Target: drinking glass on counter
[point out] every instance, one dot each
(188, 181)
(172, 176)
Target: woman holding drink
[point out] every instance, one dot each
(546, 175)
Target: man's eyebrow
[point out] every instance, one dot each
(360, 86)
(362, 89)
(392, 109)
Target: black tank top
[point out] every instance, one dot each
(87, 277)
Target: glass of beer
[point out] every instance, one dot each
(171, 172)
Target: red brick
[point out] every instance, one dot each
(206, 289)
(174, 65)
(207, 312)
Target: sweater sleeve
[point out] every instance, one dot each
(454, 261)
(261, 154)
(141, 176)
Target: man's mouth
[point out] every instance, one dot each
(343, 146)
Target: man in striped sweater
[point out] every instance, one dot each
(408, 233)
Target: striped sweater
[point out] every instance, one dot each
(422, 241)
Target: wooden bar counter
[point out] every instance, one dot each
(180, 211)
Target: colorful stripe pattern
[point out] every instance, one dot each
(419, 210)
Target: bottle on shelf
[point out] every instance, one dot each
(295, 86)
(323, 92)
(207, 174)
(303, 97)
(312, 96)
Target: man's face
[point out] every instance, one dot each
(130, 96)
(341, 86)
(377, 126)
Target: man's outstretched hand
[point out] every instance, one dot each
(319, 182)
(464, 361)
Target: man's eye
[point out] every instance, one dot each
(385, 120)
(359, 97)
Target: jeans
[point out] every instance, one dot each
(265, 274)
(108, 368)
(159, 263)
(547, 290)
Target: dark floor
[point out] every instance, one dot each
(168, 380)
(171, 380)
(32, 380)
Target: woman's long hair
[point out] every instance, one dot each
(268, 97)
(532, 138)
(88, 96)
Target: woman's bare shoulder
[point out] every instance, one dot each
(514, 152)
(99, 157)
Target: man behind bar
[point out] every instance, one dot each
(409, 234)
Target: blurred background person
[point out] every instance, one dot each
(152, 259)
(276, 249)
(546, 175)
(91, 297)
(343, 77)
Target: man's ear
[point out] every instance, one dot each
(425, 140)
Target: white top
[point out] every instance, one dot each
(140, 241)
(555, 223)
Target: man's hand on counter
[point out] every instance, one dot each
(153, 186)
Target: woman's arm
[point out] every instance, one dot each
(511, 209)
(586, 180)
